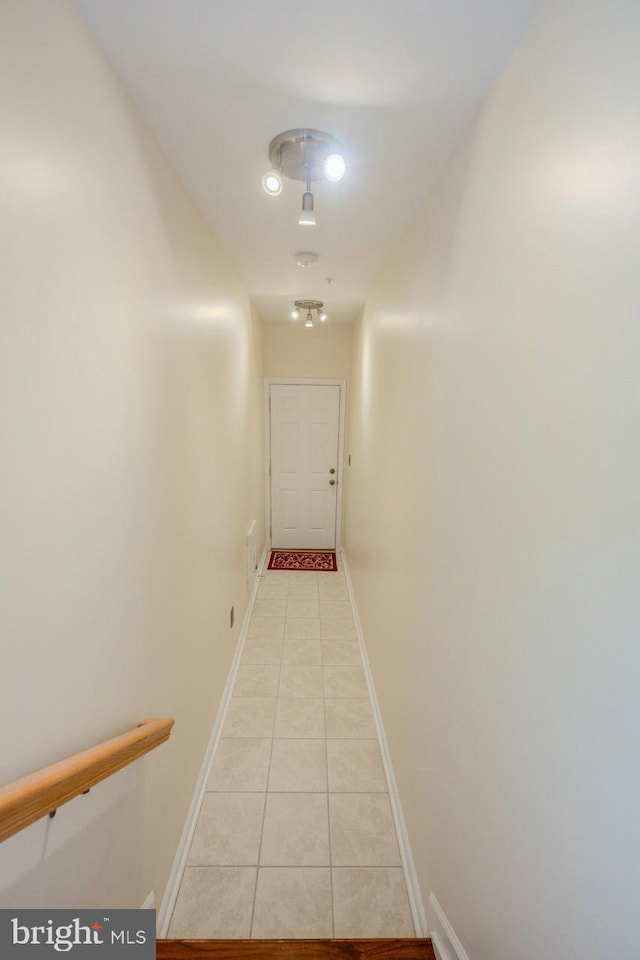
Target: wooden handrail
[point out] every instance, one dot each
(26, 800)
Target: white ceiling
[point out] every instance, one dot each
(397, 81)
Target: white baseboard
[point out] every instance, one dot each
(408, 865)
(150, 902)
(180, 859)
(445, 942)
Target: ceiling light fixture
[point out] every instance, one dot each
(309, 305)
(306, 155)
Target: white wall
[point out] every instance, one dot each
(494, 428)
(292, 350)
(131, 424)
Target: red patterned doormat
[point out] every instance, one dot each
(302, 560)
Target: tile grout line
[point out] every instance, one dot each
(266, 795)
(264, 808)
(326, 753)
(326, 747)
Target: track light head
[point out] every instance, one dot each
(334, 167)
(272, 182)
(307, 216)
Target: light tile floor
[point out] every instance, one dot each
(295, 837)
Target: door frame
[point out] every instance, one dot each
(304, 382)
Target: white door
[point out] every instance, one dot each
(304, 465)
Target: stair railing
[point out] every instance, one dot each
(28, 799)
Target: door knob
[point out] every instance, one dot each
(332, 482)
(332, 470)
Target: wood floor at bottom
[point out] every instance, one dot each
(389, 949)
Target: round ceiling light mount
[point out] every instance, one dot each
(301, 154)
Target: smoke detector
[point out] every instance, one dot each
(306, 259)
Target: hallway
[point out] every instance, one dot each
(482, 288)
(295, 836)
